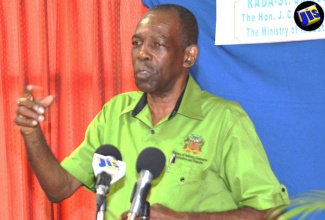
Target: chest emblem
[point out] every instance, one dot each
(193, 144)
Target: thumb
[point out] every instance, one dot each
(47, 101)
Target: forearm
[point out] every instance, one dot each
(239, 214)
(56, 182)
(160, 212)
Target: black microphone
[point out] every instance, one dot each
(150, 164)
(108, 168)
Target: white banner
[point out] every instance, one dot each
(261, 21)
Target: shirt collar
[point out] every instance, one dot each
(188, 104)
(143, 101)
(192, 100)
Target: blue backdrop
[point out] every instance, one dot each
(280, 85)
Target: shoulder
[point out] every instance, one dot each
(123, 100)
(121, 103)
(217, 105)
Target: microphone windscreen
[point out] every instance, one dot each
(151, 159)
(109, 150)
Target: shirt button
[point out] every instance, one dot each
(152, 131)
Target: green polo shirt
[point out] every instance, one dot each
(220, 162)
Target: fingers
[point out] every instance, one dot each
(31, 111)
(29, 114)
(47, 101)
(24, 121)
(30, 104)
(126, 216)
(28, 91)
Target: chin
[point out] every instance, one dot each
(144, 87)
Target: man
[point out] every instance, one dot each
(220, 171)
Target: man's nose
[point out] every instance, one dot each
(144, 53)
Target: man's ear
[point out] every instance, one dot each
(191, 53)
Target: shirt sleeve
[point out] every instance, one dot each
(246, 169)
(79, 162)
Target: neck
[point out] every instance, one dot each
(161, 106)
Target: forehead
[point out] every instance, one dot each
(159, 22)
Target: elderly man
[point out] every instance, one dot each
(220, 169)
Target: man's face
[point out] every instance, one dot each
(157, 54)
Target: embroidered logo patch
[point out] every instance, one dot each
(193, 144)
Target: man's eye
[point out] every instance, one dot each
(160, 45)
(136, 43)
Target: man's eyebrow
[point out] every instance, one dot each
(156, 36)
(136, 36)
(159, 36)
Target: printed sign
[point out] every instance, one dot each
(268, 21)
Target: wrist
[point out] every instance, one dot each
(27, 132)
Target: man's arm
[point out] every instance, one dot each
(160, 212)
(56, 182)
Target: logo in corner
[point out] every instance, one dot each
(193, 144)
(309, 16)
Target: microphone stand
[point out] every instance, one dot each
(139, 195)
(101, 212)
(144, 212)
(102, 188)
(101, 203)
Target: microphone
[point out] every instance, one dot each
(150, 164)
(108, 168)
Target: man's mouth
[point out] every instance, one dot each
(142, 74)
